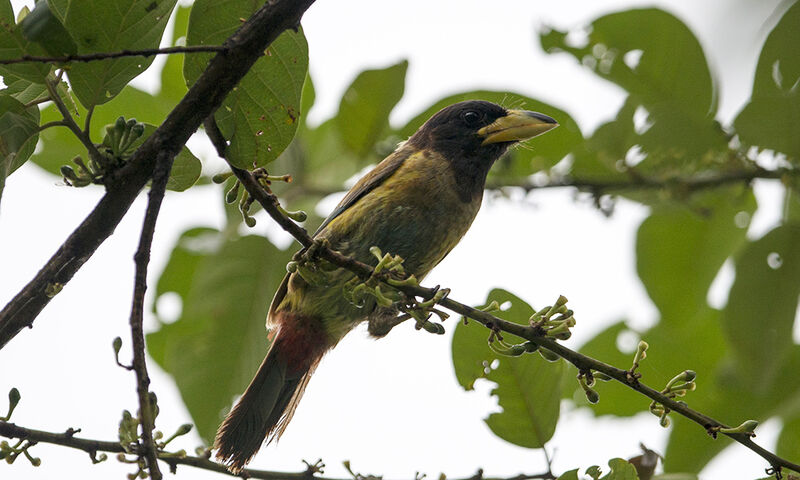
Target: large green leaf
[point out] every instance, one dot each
(771, 117)
(220, 338)
(528, 387)
(364, 110)
(660, 64)
(260, 116)
(672, 62)
(43, 27)
(110, 26)
(19, 131)
(789, 440)
(680, 249)
(14, 45)
(544, 152)
(762, 304)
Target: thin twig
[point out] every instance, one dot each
(92, 447)
(687, 184)
(270, 204)
(54, 123)
(69, 122)
(142, 259)
(91, 57)
(224, 71)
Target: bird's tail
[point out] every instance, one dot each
(270, 400)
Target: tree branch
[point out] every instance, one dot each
(224, 71)
(687, 184)
(584, 363)
(91, 57)
(68, 439)
(142, 259)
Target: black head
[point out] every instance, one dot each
(475, 133)
(453, 130)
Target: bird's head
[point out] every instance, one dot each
(473, 134)
(479, 128)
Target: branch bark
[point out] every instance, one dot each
(224, 71)
(92, 447)
(142, 259)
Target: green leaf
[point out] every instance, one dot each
(676, 476)
(569, 475)
(225, 305)
(261, 115)
(110, 26)
(528, 387)
(672, 63)
(186, 168)
(544, 152)
(789, 440)
(679, 251)
(19, 127)
(14, 45)
(59, 145)
(44, 28)
(762, 305)
(621, 470)
(659, 62)
(771, 117)
(363, 117)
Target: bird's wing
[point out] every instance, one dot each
(378, 175)
(368, 182)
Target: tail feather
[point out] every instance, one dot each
(267, 405)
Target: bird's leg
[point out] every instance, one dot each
(310, 266)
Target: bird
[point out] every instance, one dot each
(417, 203)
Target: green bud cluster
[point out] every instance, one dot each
(678, 386)
(115, 150)
(10, 453)
(555, 320)
(121, 135)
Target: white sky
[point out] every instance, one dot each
(391, 407)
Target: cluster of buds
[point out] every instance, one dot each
(118, 142)
(555, 321)
(388, 273)
(129, 439)
(677, 387)
(120, 137)
(246, 202)
(389, 266)
(10, 453)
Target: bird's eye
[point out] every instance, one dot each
(471, 118)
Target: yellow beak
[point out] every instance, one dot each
(516, 126)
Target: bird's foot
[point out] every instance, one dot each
(308, 265)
